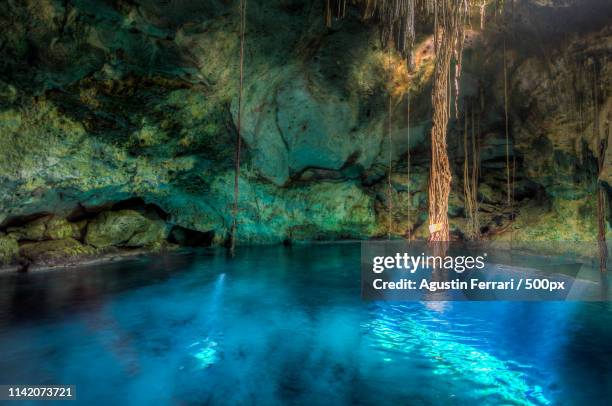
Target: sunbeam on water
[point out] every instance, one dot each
(287, 325)
(205, 351)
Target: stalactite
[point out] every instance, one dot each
(238, 129)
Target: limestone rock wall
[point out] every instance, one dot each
(105, 101)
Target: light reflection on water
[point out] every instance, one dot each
(287, 325)
(398, 330)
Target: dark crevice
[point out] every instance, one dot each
(139, 204)
(81, 212)
(18, 221)
(190, 238)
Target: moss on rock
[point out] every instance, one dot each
(45, 228)
(127, 228)
(112, 111)
(55, 252)
(9, 249)
(34, 230)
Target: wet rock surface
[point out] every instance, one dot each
(112, 232)
(9, 249)
(56, 252)
(45, 228)
(102, 102)
(127, 228)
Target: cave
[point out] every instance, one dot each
(191, 238)
(193, 195)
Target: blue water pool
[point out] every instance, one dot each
(286, 325)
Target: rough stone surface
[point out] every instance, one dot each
(56, 252)
(101, 102)
(45, 228)
(9, 249)
(127, 228)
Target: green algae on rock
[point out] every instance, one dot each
(45, 228)
(127, 228)
(56, 252)
(122, 100)
(9, 249)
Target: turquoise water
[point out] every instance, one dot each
(286, 325)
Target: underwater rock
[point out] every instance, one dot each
(56, 252)
(127, 228)
(9, 249)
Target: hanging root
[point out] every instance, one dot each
(601, 214)
(601, 194)
(601, 233)
(390, 168)
(450, 20)
(483, 6)
(475, 176)
(396, 17)
(409, 205)
(470, 180)
(238, 131)
(507, 130)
